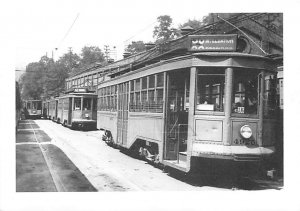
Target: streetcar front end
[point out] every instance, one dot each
(236, 112)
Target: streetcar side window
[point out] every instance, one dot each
(116, 99)
(77, 103)
(210, 90)
(95, 79)
(95, 104)
(112, 98)
(146, 94)
(87, 103)
(39, 105)
(81, 82)
(137, 88)
(144, 97)
(34, 105)
(245, 92)
(90, 80)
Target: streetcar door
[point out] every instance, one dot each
(122, 119)
(70, 110)
(176, 114)
(56, 109)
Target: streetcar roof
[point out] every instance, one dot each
(78, 95)
(32, 100)
(203, 59)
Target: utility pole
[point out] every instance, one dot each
(70, 61)
(106, 52)
(113, 53)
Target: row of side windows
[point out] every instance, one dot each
(146, 95)
(91, 80)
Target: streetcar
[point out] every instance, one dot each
(32, 109)
(208, 102)
(76, 109)
(45, 109)
(52, 111)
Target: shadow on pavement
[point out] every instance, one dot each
(32, 170)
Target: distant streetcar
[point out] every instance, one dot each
(75, 109)
(32, 109)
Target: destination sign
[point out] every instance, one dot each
(80, 90)
(212, 42)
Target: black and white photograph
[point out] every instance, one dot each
(149, 105)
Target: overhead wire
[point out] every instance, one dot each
(243, 34)
(139, 32)
(67, 33)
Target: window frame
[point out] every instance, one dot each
(221, 93)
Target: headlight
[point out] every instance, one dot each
(246, 131)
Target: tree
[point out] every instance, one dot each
(90, 55)
(70, 60)
(163, 32)
(46, 77)
(18, 97)
(135, 47)
(195, 24)
(32, 81)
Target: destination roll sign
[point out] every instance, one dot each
(226, 42)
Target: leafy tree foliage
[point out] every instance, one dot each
(47, 77)
(18, 97)
(195, 24)
(135, 47)
(91, 54)
(32, 81)
(70, 60)
(164, 32)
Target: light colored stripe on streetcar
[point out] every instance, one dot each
(57, 182)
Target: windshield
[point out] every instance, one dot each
(210, 90)
(245, 92)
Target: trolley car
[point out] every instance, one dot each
(32, 109)
(52, 112)
(210, 102)
(75, 109)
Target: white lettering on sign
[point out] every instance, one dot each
(213, 43)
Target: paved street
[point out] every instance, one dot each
(51, 157)
(42, 166)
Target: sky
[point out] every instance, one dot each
(44, 27)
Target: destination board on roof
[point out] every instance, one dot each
(80, 90)
(212, 42)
